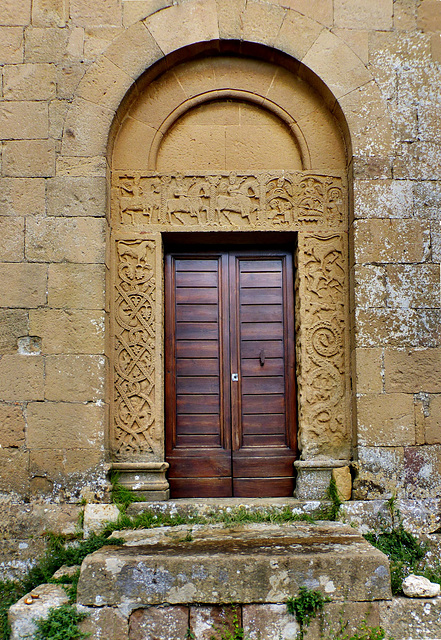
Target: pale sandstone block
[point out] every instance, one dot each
(21, 378)
(153, 106)
(405, 14)
(427, 198)
(11, 45)
(76, 197)
(386, 327)
(11, 239)
(29, 158)
(372, 168)
(14, 478)
(13, 324)
(75, 378)
(22, 285)
(85, 13)
(12, 426)
(435, 47)
(86, 129)
(159, 623)
(133, 60)
(112, 620)
(435, 234)
(297, 34)
(75, 44)
(45, 44)
(135, 10)
(59, 425)
(55, 465)
(23, 120)
(357, 40)
(57, 115)
(429, 15)
(15, 12)
(183, 24)
(71, 331)
(269, 621)
(369, 370)
(336, 64)
(420, 160)
(428, 328)
(105, 83)
(368, 120)
(329, 149)
(320, 10)
(76, 286)
(386, 419)
(229, 18)
(69, 75)
(50, 13)
(77, 166)
(261, 22)
(432, 421)
(134, 142)
(383, 198)
(22, 196)
(358, 14)
(391, 241)
(29, 81)
(65, 240)
(97, 39)
(413, 285)
(343, 482)
(369, 286)
(408, 371)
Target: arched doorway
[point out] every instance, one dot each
(233, 147)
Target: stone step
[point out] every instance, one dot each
(254, 563)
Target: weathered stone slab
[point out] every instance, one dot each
(247, 564)
(409, 619)
(22, 616)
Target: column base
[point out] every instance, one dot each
(314, 476)
(146, 479)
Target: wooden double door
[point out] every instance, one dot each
(230, 396)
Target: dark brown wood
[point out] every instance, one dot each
(230, 312)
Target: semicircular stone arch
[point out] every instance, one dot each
(324, 151)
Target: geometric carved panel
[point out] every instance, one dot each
(145, 204)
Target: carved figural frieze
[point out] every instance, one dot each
(242, 201)
(145, 205)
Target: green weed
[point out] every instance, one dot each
(61, 624)
(306, 606)
(237, 633)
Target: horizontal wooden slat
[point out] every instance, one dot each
(270, 466)
(252, 348)
(260, 296)
(210, 463)
(197, 404)
(257, 385)
(195, 348)
(264, 424)
(261, 330)
(196, 264)
(197, 312)
(197, 295)
(204, 384)
(263, 404)
(261, 313)
(269, 440)
(260, 265)
(201, 487)
(271, 366)
(260, 279)
(198, 423)
(196, 279)
(197, 330)
(263, 488)
(198, 441)
(198, 366)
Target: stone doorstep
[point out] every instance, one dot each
(212, 564)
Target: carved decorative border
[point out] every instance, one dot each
(146, 204)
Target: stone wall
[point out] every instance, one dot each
(66, 67)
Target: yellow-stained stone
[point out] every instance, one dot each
(103, 82)
(15, 12)
(358, 14)
(357, 40)
(133, 60)
(391, 241)
(432, 421)
(413, 285)
(11, 239)
(76, 286)
(320, 10)
(75, 45)
(22, 196)
(78, 196)
(21, 378)
(343, 482)
(369, 286)
(74, 378)
(60, 464)
(76, 166)
(13, 424)
(69, 75)
(262, 22)
(46, 45)
(29, 158)
(429, 15)
(65, 240)
(405, 14)
(64, 425)
(57, 115)
(435, 46)
(297, 34)
(86, 129)
(14, 478)
(23, 285)
(23, 120)
(14, 324)
(85, 13)
(411, 371)
(50, 13)
(134, 10)
(97, 39)
(29, 81)
(68, 331)
(369, 370)
(11, 45)
(383, 199)
(229, 17)
(386, 419)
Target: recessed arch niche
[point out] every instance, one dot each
(231, 144)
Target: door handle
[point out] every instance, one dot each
(262, 358)
(235, 377)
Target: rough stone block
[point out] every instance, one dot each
(133, 60)
(50, 13)
(358, 40)
(338, 620)
(15, 12)
(380, 473)
(159, 623)
(86, 129)
(22, 285)
(372, 168)
(369, 286)
(387, 327)
(383, 199)
(391, 241)
(13, 324)
(386, 419)
(97, 39)
(135, 10)
(229, 12)
(12, 429)
(11, 45)
(46, 44)
(29, 158)
(74, 469)
(85, 13)
(21, 378)
(104, 624)
(306, 30)
(22, 196)
(412, 619)
(427, 197)
(429, 15)
(65, 240)
(76, 286)
(414, 286)
(369, 368)
(22, 616)
(57, 114)
(103, 81)
(269, 621)
(357, 14)
(76, 166)
(69, 75)
(208, 621)
(75, 378)
(23, 120)
(410, 371)
(56, 425)
(343, 482)
(70, 331)
(29, 82)
(432, 420)
(422, 471)
(14, 478)
(11, 239)
(261, 22)
(97, 515)
(76, 197)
